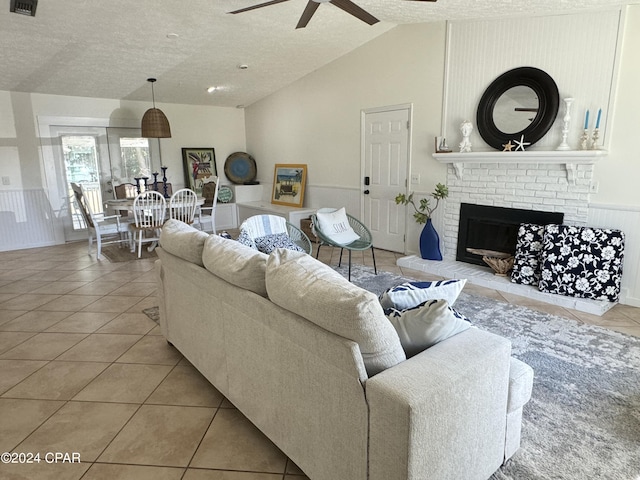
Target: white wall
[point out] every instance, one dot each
(316, 120)
(25, 218)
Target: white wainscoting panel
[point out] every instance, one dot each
(319, 196)
(578, 51)
(26, 219)
(626, 219)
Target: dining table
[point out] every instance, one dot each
(118, 205)
(124, 207)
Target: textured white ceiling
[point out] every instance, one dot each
(107, 49)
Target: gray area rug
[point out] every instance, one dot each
(583, 420)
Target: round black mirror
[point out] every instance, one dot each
(522, 101)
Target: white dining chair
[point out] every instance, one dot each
(105, 229)
(149, 210)
(206, 214)
(182, 205)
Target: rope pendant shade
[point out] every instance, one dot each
(154, 121)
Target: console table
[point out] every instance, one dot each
(292, 214)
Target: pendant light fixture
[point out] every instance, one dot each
(154, 121)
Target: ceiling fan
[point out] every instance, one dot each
(312, 5)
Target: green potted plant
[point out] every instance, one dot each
(429, 239)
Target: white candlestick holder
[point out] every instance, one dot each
(594, 139)
(584, 140)
(566, 122)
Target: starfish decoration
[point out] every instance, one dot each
(521, 144)
(508, 147)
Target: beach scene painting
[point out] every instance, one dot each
(288, 184)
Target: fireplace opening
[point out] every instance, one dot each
(485, 227)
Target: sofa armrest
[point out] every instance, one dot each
(442, 413)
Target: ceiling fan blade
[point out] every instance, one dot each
(350, 7)
(260, 5)
(309, 10)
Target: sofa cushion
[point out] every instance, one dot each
(236, 263)
(268, 243)
(301, 284)
(412, 294)
(183, 241)
(425, 325)
(335, 226)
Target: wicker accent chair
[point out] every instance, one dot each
(365, 242)
(261, 225)
(125, 190)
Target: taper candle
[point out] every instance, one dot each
(586, 120)
(598, 119)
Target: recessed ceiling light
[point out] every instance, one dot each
(172, 36)
(212, 89)
(243, 66)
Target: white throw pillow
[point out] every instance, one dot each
(412, 294)
(425, 325)
(335, 226)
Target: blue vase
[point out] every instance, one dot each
(430, 242)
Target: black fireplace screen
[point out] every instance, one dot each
(485, 227)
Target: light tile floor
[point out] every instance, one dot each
(83, 370)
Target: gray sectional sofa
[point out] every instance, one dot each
(312, 361)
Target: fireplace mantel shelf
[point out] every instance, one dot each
(569, 158)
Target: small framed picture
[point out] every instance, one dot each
(199, 164)
(288, 185)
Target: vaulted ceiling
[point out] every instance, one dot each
(107, 49)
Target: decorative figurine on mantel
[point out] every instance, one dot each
(508, 147)
(466, 128)
(521, 144)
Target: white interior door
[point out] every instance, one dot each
(385, 163)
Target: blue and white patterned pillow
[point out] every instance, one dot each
(582, 262)
(426, 324)
(527, 262)
(269, 243)
(245, 239)
(412, 294)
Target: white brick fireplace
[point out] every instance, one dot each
(548, 181)
(544, 181)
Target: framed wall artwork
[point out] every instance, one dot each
(199, 164)
(288, 184)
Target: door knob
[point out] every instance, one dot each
(366, 192)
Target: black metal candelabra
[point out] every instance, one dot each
(164, 181)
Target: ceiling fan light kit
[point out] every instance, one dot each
(154, 122)
(312, 5)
